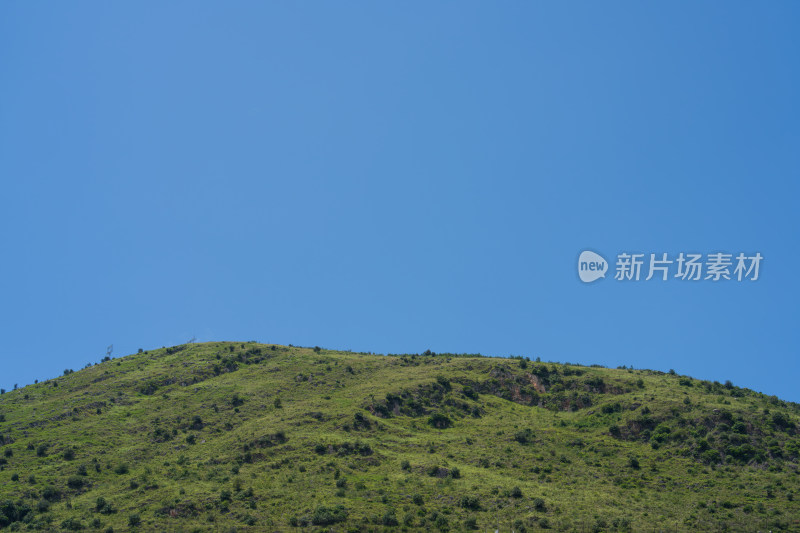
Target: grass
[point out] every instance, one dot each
(253, 437)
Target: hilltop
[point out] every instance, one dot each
(259, 437)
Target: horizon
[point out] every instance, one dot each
(538, 359)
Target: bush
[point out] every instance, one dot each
(439, 421)
(389, 518)
(75, 482)
(538, 505)
(324, 516)
(134, 520)
(523, 436)
(72, 524)
(13, 512)
(418, 499)
(516, 492)
(41, 450)
(710, 456)
(121, 469)
(321, 449)
(455, 473)
(69, 454)
(470, 502)
(51, 494)
(405, 465)
(633, 462)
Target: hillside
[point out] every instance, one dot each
(259, 437)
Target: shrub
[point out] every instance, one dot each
(455, 473)
(69, 454)
(405, 465)
(361, 422)
(389, 518)
(321, 449)
(472, 522)
(782, 421)
(75, 482)
(41, 450)
(72, 524)
(418, 499)
(13, 512)
(121, 469)
(538, 505)
(633, 462)
(324, 516)
(134, 520)
(439, 421)
(516, 492)
(523, 436)
(470, 502)
(710, 456)
(51, 494)
(277, 403)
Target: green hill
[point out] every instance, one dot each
(259, 437)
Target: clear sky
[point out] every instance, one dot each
(395, 177)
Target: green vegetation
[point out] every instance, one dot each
(259, 437)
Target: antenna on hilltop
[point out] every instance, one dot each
(192, 340)
(109, 350)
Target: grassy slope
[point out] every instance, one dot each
(709, 456)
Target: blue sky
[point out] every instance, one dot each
(395, 177)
